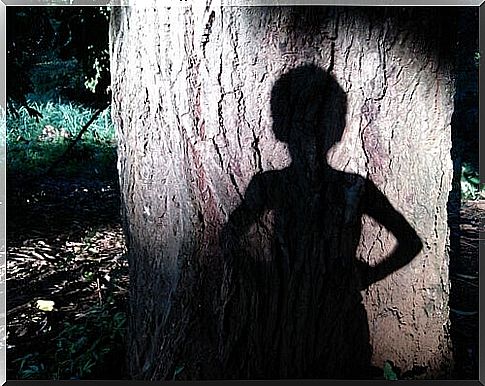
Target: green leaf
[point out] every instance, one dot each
(389, 373)
(474, 180)
(177, 371)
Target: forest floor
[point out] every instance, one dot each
(65, 245)
(464, 291)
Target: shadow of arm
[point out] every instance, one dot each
(245, 215)
(408, 245)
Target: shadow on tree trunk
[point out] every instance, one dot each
(292, 306)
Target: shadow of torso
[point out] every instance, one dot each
(296, 240)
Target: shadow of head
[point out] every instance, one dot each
(308, 106)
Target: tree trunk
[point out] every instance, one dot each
(284, 175)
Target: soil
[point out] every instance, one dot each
(65, 244)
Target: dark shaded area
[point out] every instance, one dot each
(300, 313)
(60, 205)
(465, 151)
(56, 35)
(27, 32)
(464, 124)
(83, 35)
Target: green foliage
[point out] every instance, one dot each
(32, 146)
(100, 67)
(82, 346)
(43, 38)
(476, 57)
(81, 349)
(83, 35)
(389, 373)
(28, 32)
(53, 78)
(471, 188)
(28, 368)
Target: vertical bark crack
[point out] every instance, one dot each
(207, 31)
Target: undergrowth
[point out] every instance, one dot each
(471, 188)
(34, 145)
(81, 350)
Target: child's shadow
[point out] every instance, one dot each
(292, 306)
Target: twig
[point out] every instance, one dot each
(78, 137)
(99, 291)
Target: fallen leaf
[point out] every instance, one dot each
(45, 305)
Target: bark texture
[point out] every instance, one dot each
(284, 176)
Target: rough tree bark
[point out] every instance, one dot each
(240, 235)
